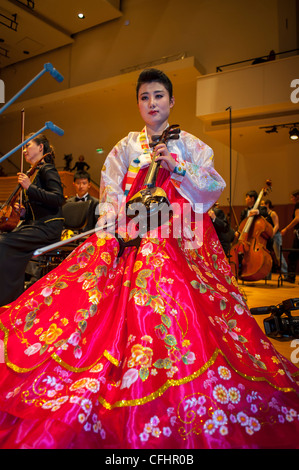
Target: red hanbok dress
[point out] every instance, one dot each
(155, 350)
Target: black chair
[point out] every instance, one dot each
(76, 215)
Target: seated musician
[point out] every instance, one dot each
(82, 184)
(42, 218)
(222, 227)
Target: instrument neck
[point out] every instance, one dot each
(251, 218)
(12, 197)
(152, 172)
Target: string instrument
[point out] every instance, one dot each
(152, 198)
(249, 258)
(9, 215)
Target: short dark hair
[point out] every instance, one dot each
(81, 174)
(252, 193)
(154, 75)
(295, 193)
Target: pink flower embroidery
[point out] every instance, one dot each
(47, 291)
(34, 348)
(74, 338)
(129, 378)
(147, 249)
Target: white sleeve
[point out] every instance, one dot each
(195, 176)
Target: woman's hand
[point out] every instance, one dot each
(167, 161)
(24, 180)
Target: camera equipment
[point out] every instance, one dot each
(280, 324)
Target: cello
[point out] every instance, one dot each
(249, 258)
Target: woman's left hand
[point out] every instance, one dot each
(168, 162)
(24, 180)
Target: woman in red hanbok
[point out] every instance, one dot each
(155, 349)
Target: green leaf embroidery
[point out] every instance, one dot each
(242, 339)
(232, 324)
(167, 364)
(133, 291)
(262, 365)
(93, 310)
(166, 320)
(145, 273)
(61, 285)
(82, 325)
(144, 373)
(163, 364)
(203, 288)
(101, 270)
(162, 328)
(159, 364)
(170, 340)
(48, 300)
(43, 348)
(141, 282)
(28, 325)
(195, 284)
(73, 268)
(185, 359)
(90, 249)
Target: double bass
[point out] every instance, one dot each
(249, 258)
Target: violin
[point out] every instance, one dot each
(9, 215)
(152, 198)
(249, 258)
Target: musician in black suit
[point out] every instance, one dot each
(225, 234)
(41, 218)
(82, 183)
(250, 200)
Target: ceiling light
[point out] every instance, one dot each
(81, 16)
(273, 129)
(294, 133)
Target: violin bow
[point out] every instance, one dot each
(22, 148)
(53, 246)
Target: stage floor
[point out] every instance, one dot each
(264, 294)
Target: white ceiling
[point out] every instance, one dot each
(32, 27)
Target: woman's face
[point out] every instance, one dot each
(154, 105)
(33, 152)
